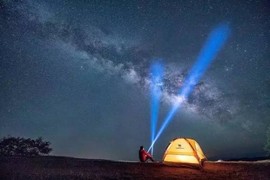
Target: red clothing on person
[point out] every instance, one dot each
(144, 155)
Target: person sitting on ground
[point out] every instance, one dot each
(144, 155)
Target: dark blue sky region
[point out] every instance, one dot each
(77, 74)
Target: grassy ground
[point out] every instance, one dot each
(72, 168)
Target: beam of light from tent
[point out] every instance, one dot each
(214, 43)
(156, 74)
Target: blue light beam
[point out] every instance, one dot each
(156, 74)
(214, 43)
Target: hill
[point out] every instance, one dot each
(51, 167)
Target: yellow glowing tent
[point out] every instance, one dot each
(184, 151)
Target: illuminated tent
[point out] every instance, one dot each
(184, 151)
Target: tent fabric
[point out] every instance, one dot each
(184, 151)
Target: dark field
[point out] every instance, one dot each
(72, 168)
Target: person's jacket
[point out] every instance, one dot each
(143, 155)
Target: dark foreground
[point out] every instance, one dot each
(71, 168)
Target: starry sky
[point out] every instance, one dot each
(77, 73)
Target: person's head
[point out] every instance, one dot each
(141, 147)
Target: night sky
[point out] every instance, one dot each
(77, 74)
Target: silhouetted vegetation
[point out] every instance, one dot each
(10, 146)
(267, 145)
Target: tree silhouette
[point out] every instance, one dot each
(10, 146)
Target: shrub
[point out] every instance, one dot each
(10, 146)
